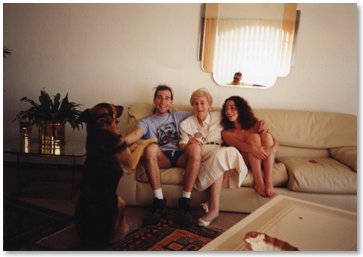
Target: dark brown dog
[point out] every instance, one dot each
(99, 214)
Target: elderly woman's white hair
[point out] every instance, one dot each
(201, 92)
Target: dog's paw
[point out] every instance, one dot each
(133, 146)
(150, 141)
(142, 143)
(153, 140)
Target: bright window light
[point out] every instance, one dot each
(260, 49)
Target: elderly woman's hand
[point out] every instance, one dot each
(193, 140)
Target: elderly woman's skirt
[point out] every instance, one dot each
(217, 160)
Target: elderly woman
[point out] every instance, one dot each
(204, 128)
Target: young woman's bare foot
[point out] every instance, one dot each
(270, 191)
(260, 190)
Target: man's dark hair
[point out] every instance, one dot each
(239, 74)
(163, 87)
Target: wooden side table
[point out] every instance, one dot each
(71, 154)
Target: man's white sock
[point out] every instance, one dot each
(158, 193)
(186, 194)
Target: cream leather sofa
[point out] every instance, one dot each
(316, 161)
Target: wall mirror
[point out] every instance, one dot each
(254, 40)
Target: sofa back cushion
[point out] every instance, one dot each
(311, 129)
(305, 129)
(291, 151)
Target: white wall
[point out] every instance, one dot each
(120, 52)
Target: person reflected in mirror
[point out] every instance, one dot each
(164, 126)
(237, 81)
(258, 148)
(203, 129)
(237, 78)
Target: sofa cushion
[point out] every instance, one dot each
(175, 176)
(346, 155)
(320, 175)
(171, 176)
(290, 151)
(279, 176)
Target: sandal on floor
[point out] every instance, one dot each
(203, 223)
(205, 207)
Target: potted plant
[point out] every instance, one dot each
(50, 116)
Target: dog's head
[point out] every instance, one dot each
(102, 116)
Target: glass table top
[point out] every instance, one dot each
(75, 147)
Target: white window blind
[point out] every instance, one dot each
(260, 49)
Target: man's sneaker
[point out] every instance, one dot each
(157, 211)
(184, 217)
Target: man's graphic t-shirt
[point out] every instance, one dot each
(165, 128)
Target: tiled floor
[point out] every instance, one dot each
(134, 214)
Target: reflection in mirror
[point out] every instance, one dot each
(250, 41)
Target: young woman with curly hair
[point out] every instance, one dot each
(242, 130)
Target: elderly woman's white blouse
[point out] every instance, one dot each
(209, 133)
(216, 160)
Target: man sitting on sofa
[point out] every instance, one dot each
(164, 126)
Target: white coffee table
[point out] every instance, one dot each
(305, 225)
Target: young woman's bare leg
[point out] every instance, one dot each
(267, 140)
(255, 165)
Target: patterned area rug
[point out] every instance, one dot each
(166, 236)
(25, 223)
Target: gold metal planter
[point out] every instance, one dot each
(51, 134)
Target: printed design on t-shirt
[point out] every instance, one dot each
(167, 133)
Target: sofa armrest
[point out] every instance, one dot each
(346, 155)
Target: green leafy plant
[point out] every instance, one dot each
(48, 109)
